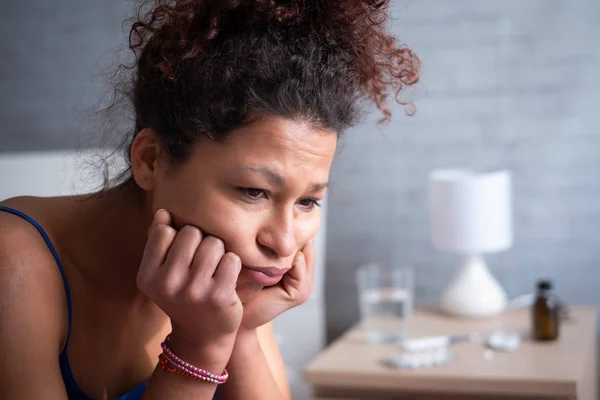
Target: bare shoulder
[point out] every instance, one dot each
(28, 270)
(33, 311)
(29, 275)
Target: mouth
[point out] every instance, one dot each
(264, 276)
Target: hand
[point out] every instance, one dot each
(294, 289)
(192, 279)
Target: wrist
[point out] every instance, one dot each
(246, 338)
(247, 347)
(212, 357)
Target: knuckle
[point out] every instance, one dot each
(305, 294)
(191, 231)
(301, 299)
(167, 292)
(164, 231)
(194, 295)
(232, 259)
(219, 298)
(302, 295)
(169, 288)
(214, 244)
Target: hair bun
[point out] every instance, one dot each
(170, 32)
(187, 25)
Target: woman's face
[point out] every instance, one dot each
(258, 192)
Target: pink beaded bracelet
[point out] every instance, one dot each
(168, 358)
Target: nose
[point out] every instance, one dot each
(278, 235)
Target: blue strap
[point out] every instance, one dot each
(73, 390)
(55, 254)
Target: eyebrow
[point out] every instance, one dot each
(317, 187)
(277, 180)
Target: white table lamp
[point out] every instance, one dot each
(471, 214)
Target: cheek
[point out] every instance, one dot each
(236, 228)
(206, 208)
(175, 194)
(308, 229)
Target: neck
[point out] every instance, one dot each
(108, 235)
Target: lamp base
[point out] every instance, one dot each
(473, 291)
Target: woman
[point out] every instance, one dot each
(238, 106)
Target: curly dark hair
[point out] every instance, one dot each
(207, 67)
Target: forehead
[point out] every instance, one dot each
(288, 147)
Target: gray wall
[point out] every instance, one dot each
(508, 83)
(54, 60)
(505, 83)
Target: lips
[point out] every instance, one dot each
(264, 276)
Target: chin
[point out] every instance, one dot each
(247, 291)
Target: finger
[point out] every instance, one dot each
(161, 217)
(181, 253)
(279, 298)
(298, 271)
(157, 247)
(176, 269)
(309, 255)
(207, 258)
(227, 272)
(298, 283)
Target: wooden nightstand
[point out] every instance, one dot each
(565, 369)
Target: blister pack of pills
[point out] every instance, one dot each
(420, 359)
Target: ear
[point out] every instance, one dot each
(145, 155)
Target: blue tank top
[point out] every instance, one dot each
(74, 392)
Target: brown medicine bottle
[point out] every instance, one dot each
(546, 310)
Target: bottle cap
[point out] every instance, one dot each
(544, 285)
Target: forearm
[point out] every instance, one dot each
(251, 377)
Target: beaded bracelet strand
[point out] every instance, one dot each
(170, 362)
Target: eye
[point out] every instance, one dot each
(309, 203)
(254, 193)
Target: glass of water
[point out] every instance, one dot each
(385, 296)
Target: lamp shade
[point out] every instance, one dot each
(471, 212)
